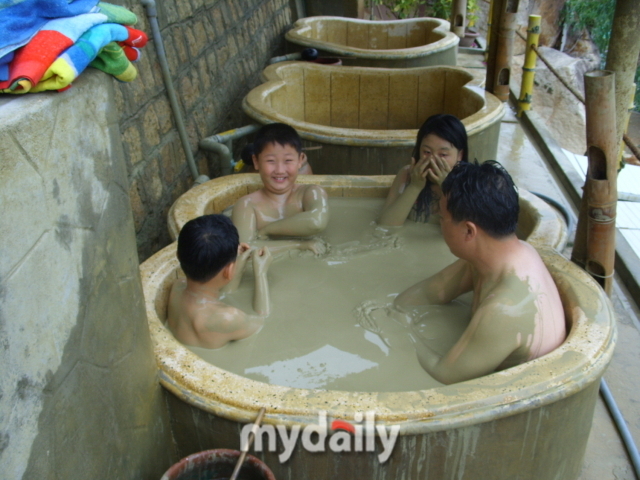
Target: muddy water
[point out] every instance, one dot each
(332, 325)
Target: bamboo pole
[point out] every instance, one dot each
(529, 67)
(622, 58)
(489, 23)
(458, 17)
(595, 246)
(503, 26)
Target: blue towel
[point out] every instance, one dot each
(20, 20)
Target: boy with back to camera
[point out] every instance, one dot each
(281, 208)
(516, 311)
(213, 261)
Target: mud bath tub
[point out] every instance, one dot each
(416, 42)
(366, 119)
(528, 422)
(538, 223)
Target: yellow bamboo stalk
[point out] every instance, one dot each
(529, 67)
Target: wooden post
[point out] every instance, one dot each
(458, 17)
(595, 244)
(529, 67)
(622, 59)
(503, 28)
(489, 23)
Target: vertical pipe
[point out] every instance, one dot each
(501, 50)
(152, 14)
(458, 17)
(594, 246)
(300, 10)
(622, 58)
(529, 67)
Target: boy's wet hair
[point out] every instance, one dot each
(206, 245)
(449, 128)
(276, 133)
(483, 194)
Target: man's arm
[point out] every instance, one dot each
(483, 347)
(443, 287)
(312, 220)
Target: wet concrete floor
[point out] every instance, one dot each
(605, 457)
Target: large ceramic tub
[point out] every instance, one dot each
(527, 422)
(416, 42)
(540, 224)
(366, 119)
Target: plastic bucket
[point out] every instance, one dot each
(217, 465)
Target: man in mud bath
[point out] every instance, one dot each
(516, 312)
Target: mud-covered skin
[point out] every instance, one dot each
(281, 208)
(437, 158)
(196, 315)
(516, 312)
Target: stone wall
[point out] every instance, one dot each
(216, 50)
(79, 391)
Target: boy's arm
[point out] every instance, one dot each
(483, 347)
(241, 262)
(398, 205)
(312, 220)
(441, 288)
(244, 218)
(261, 260)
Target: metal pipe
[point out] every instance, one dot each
(219, 144)
(284, 58)
(623, 430)
(529, 67)
(152, 15)
(595, 242)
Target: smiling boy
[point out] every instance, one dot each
(281, 208)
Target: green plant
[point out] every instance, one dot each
(402, 8)
(442, 9)
(596, 16)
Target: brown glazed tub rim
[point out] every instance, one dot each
(580, 361)
(255, 105)
(547, 229)
(448, 40)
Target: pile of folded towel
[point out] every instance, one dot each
(47, 44)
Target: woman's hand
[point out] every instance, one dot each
(438, 169)
(418, 172)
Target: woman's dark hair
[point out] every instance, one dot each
(449, 128)
(206, 245)
(483, 194)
